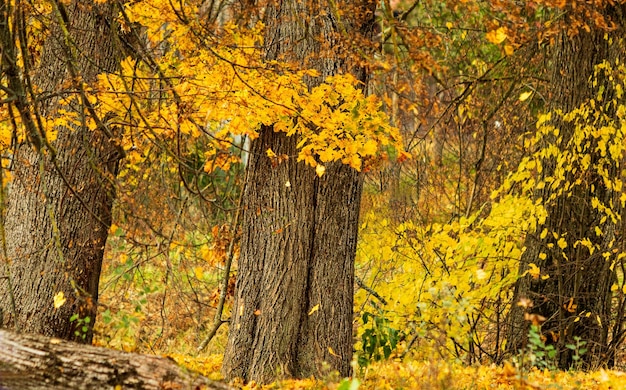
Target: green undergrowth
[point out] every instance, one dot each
(157, 300)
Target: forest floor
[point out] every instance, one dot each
(434, 375)
(148, 310)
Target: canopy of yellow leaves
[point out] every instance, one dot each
(222, 87)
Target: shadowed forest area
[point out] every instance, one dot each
(218, 194)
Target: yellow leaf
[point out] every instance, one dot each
(541, 119)
(123, 257)
(314, 309)
(497, 36)
(614, 287)
(198, 272)
(449, 25)
(320, 169)
(598, 231)
(534, 270)
(355, 162)
(525, 95)
(508, 50)
(595, 202)
(331, 351)
(327, 155)
(369, 149)
(113, 228)
(562, 243)
(59, 299)
(270, 153)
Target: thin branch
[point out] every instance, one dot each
(365, 287)
(218, 321)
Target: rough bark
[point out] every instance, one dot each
(294, 294)
(580, 284)
(58, 209)
(38, 362)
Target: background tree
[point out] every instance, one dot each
(467, 129)
(58, 205)
(576, 299)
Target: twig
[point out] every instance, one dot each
(369, 290)
(218, 321)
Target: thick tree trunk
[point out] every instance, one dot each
(294, 294)
(581, 282)
(37, 362)
(58, 210)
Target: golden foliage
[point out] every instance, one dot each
(447, 282)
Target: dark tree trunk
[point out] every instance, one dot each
(294, 295)
(32, 362)
(581, 283)
(58, 209)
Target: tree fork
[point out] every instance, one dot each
(295, 283)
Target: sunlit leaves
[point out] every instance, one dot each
(448, 272)
(458, 266)
(585, 165)
(341, 124)
(224, 88)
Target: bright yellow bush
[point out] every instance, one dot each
(447, 282)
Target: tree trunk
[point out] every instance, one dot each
(38, 362)
(58, 209)
(294, 295)
(581, 283)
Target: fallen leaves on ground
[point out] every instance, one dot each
(436, 374)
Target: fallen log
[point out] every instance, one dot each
(30, 361)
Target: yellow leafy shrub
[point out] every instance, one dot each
(447, 282)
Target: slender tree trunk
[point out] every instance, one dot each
(580, 283)
(58, 210)
(294, 294)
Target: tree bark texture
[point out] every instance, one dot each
(33, 362)
(58, 209)
(293, 308)
(581, 283)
